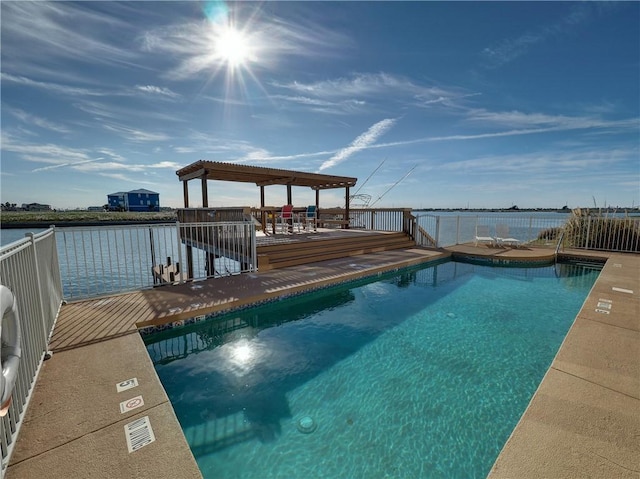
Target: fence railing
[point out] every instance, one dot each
(29, 268)
(603, 233)
(104, 260)
(205, 215)
(452, 230)
(584, 232)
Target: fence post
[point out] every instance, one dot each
(254, 251)
(180, 279)
(45, 335)
(437, 231)
(586, 238)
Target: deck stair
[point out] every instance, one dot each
(297, 253)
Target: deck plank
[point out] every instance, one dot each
(89, 321)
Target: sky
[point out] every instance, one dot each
(428, 104)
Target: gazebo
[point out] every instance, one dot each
(262, 177)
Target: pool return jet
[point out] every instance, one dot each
(10, 351)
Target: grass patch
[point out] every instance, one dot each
(58, 217)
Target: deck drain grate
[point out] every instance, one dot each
(139, 434)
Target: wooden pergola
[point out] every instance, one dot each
(262, 177)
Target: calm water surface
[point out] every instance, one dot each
(423, 374)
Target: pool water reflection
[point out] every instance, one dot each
(419, 374)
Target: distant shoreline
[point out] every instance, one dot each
(45, 224)
(25, 220)
(45, 219)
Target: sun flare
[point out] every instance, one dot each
(233, 47)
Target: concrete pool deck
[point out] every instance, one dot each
(582, 422)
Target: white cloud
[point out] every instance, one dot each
(351, 94)
(366, 139)
(54, 87)
(134, 134)
(156, 90)
(62, 165)
(510, 49)
(34, 120)
(46, 33)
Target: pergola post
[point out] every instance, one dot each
(263, 213)
(346, 207)
(185, 193)
(205, 193)
(289, 198)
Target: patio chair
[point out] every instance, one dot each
(502, 236)
(482, 235)
(310, 217)
(286, 220)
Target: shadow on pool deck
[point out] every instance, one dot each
(582, 422)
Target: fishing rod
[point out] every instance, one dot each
(368, 177)
(393, 186)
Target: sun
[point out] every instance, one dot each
(233, 47)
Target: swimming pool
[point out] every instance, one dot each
(423, 373)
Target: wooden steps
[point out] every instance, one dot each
(303, 252)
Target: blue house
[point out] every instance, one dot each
(136, 200)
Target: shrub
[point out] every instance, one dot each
(585, 229)
(550, 234)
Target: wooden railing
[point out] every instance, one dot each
(210, 215)
(376, 219)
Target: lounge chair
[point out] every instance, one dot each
(286, 220)
(482, 235)
(310, 217)
(502, 236)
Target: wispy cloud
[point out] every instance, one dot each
(134, 134)
(82, 160)
(43, 153)
(510, 49)
(318, 105)
(33, 120)
(355, 91)
(536, 122)
(63, 165)
(191, 45)
(156, 90)
(46, 33)
(362, 142)
(52, 87)
(547, 162)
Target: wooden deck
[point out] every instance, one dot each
(95, 320)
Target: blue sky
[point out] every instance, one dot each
(479, 104)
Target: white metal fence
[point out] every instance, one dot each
(96, 261)
(29, 268)
(452, 230)
(603, 233)
(586, 232)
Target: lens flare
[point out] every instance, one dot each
(233, 47)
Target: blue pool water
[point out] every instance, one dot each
(421, 374)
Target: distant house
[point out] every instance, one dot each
(136, 200)
(36, 207)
